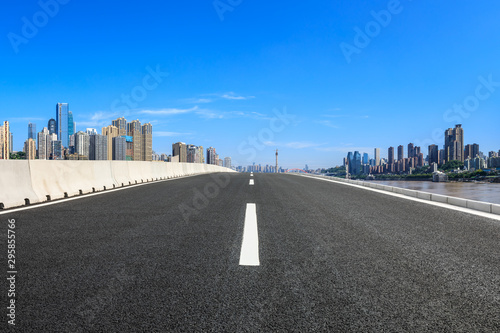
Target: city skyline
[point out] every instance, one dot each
(425, 67)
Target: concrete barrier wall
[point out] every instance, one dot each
(460, 202)
(15, 184)
(32, 181)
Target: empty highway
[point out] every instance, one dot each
(318, 257)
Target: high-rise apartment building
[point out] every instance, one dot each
(119, 148)
(43, 147)
(82, 144)
(400, 153)
(411, 150)
(180, 149)
(433, 154)
(121, 124)
(376, 153)
(57, 149)
(30, 149)
(134, 130)
(211, 156)
(62, 123)
(5, 141)
(110, 132)
(471, 151)
(91, 131)
(98, 147)
(147, 142)
(194, 154)
(227, 162)
(390, 155)
(454, 144)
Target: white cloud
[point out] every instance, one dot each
(197, 100)
(327, 123)
(233, 96)
(168, 112)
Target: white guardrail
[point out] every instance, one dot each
(466, 203)
(24, 182)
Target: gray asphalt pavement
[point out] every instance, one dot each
(164, 257)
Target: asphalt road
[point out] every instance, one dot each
(165, 257)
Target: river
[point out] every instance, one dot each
(488, 192)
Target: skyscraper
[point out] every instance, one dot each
(357, 163)
(147, 142)
(5, 141)
(390, 155)
(400, 153)
(119, 148)
(52, 126)
(180, 149)
(82, 144)
(98, 147)
(134, 129)
(30, 149)
(365, 158)
(454, 144)
(43, 151)
(227, 162)
(31, 131)
(121, 124)
(471, 151)
(211, 156)
(56, 150)
(71, 124)
(62, 124)
(110, 132)
(377, 156)
(433, 154)
(411, 151)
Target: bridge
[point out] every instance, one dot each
(233, 252)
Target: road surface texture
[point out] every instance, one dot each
(165, 257)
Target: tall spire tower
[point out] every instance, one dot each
(276, 171)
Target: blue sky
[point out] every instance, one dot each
(223, 74)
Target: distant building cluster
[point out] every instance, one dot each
(257, 168)
(453, 150)
(188, 153)
(121, 140)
